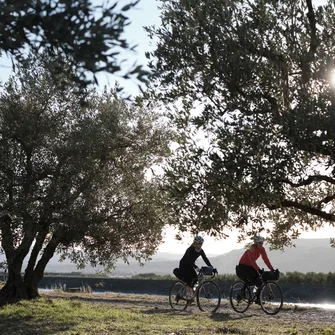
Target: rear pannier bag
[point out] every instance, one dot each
(178, 273)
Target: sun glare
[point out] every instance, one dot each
(332, 79)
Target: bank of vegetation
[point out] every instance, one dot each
(288, 277)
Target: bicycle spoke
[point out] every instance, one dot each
(208, 296)
(271, 298)
(177, 296)
(239, 300)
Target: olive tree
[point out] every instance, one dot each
(74, 177)
(253, 79)
(91, 35)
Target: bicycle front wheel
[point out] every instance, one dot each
(208, 296)
(240, 299)
(177, 296)
(271, 297)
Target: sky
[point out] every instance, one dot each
(147, 13)
(213, 246)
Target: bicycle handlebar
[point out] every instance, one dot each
(203, 270)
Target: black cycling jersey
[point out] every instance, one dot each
(191, 255)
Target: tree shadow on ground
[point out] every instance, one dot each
(120, 302)
(165, 311)
(217, 316)
(226, 316)
(30, 326)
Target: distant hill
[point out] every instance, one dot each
(309, 255)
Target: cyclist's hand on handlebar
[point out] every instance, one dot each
(215, 270)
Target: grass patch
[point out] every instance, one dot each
(123, 314)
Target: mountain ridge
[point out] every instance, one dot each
(309, 255)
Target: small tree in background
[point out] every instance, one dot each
(91, 36)
(259, 73)
(74, 177)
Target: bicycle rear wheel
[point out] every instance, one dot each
(208, 296)
(271, 297)
(239, 300)
(177, 296)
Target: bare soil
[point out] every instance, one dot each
(289, 315)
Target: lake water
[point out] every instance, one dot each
(322, 306)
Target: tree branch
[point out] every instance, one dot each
(326, 199)
(304, 208)
(312, 22)
(48, 253)
(7, 236)
(307, 57)
(310, 180)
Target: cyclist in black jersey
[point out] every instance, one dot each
(187, 263)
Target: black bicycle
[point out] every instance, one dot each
(270, 297)
(205, 291)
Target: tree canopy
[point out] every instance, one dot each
(253, 79)
(89, 35)
(74, 177)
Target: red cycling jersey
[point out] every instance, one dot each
(252, 254)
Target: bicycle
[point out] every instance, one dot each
(205, 291)
(271, 295)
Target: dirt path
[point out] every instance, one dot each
(289, 313)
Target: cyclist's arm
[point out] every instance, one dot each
(266, 259)
(206, 260)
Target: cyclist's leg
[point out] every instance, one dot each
(245, 272)
(244, 288)
(194, 277)
(257, 281)
(188, 274)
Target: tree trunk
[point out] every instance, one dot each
(34, 278)
(16, 288)
(31, 276)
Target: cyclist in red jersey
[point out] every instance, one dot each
(248, 268)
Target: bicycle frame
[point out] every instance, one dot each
(253, 297)
(206, 293)
(196, 284)
(270, 296)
